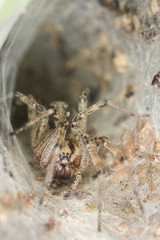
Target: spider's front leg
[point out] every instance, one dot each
(29, 101)
(74, 185)
(99, 105)
(123, 159)
(49, 158)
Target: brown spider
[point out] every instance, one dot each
(62, 146)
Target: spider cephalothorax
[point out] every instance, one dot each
(68, 159)
(62, 146)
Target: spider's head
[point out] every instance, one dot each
(65, 155)
(64, 158)
(63, 167)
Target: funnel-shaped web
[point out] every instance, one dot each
(55, 50)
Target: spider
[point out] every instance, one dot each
(62, 146)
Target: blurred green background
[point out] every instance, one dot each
(10, 7)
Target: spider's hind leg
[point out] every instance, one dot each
(123, 159)
(92, 150)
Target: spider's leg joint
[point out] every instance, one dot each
(84, 98)
(74, 125)
(66, 196)
(122, 159)
(78, 118)
(100, 140)
(39, 108)
(104, 103)
(85, 139)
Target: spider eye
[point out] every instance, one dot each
(66, 156)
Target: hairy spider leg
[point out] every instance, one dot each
(82, 106)
(52, 160)
(32, 122)
(122, 158)
(84, 161)
(92, 150)
(74, 185)
(99, 105)
(30, 101)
